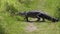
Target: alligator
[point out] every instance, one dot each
(37, 14)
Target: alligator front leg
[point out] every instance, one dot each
(26, 19)
(38, 18)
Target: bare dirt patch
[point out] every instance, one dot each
(31, 27)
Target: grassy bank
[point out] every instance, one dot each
(12, 24)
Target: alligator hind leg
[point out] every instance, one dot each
(38, 19)
(43, 19)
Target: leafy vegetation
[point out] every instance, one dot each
(13, 24)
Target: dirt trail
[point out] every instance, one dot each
(31, 27)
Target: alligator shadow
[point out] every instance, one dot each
(36, 21)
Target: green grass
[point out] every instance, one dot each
(10, 24)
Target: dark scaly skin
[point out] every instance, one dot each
(38, 15)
